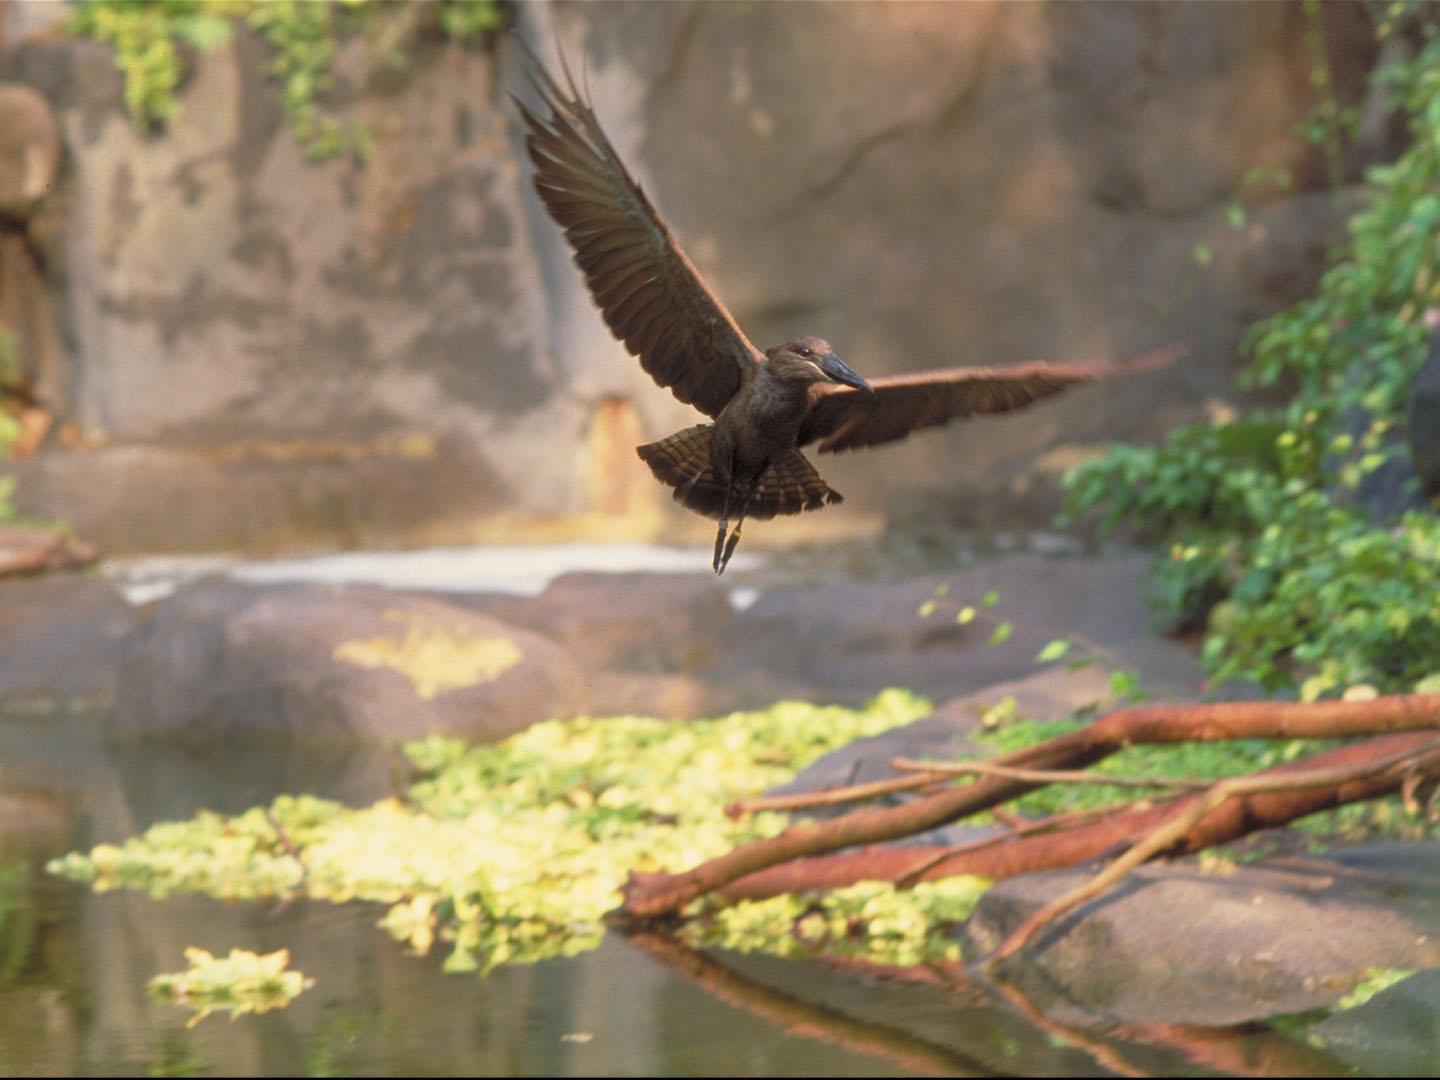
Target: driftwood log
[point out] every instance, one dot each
(1399, 751)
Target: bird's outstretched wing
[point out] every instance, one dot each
(846, 419)
(649, 293)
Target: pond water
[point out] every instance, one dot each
(74, 964)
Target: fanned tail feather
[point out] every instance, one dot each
(789, 486)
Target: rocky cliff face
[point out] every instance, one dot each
(255, 350)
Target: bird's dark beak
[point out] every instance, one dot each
(840, 372)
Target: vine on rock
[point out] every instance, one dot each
(151, 37)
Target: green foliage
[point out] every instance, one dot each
(304, 37)
(510, 852)
(8, 512)
(1188, 761)
(1005, 731)
(1258, 513)
(12, 374)
(1376, 980)
(146, 35)
(243, 982)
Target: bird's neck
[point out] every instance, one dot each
(779, 398)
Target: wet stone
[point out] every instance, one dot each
(1174, 944)
(1395, 1033)
(336, 662)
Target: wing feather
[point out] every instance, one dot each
(845, 419)
(648, 291)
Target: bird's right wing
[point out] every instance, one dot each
(846, 419)
(649, 293)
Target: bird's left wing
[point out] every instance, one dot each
(649, 293)
(845, 419)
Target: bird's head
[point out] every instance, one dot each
(810, 360)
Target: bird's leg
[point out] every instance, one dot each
(735, 536)
(718, 563)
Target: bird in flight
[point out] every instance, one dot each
(766, 405)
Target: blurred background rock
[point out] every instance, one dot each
(233, 347)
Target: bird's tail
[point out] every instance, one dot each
(682, 460)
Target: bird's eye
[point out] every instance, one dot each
(803, 351)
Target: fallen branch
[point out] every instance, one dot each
(649, 896)
(1070, 845)
(1390, 770)
(1024, 828)
(1047, 776)
(836, 796)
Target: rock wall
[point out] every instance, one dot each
(269, 353)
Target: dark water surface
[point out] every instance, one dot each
(73, 968)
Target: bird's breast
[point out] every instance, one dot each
(760, 424)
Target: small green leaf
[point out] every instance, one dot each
(1053, 650)
(1124, 684)
(1002, 712)
(205, 31)
(1000, 634)
(965, 615)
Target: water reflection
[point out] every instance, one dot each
(78, 1006)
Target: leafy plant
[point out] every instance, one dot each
(511, 853)
(1261, 515)
(304, 36)
(870, 919)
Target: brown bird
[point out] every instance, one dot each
(765, 406)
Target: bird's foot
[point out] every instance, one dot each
(716, 562)
(729, 550)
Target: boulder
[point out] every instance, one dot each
(646, 623)
(1174, 944)
(850, 640)
(32, 549)
(325, 663)
(62, 640)
(29, 148)
(671, 697)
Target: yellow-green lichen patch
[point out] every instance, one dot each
(433, 656)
